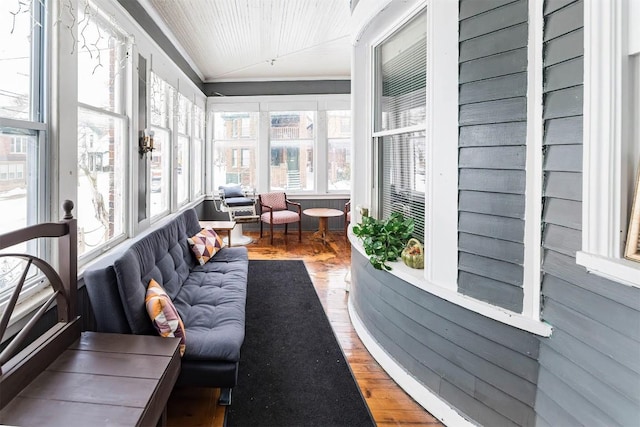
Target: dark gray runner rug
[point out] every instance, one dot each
(292, 369)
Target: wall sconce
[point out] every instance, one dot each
(146, 141)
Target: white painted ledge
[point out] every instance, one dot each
(416, 278)
(616, 269)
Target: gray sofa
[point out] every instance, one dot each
(209, 298)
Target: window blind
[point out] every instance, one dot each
(401, 91)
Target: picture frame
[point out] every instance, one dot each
(632, 249)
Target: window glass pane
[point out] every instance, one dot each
(339, 150)
(235, 131)
(19, 28)
(161, 102)
(160, 171)
(18, 179)
(182, 159)
(401, 81)
(101, 60)
(402, 187)
(198, 123)
(198, 156)
(100, 207)
(184, 115)
(291, 137)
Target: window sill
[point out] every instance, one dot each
(417, 279)
(616, 269)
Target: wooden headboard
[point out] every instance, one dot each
(18, 365)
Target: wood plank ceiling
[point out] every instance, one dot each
(261, 40)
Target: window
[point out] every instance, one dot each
(339, 150)
(245, 161)
(300, 144)
(102, 126)
(291, 142)
(234, 131)
(23, 136)
(611, 152)
(198, 151)
(400, 118)
(161, 105)
(183, 149)
(19, 145)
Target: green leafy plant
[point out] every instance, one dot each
(384, 240)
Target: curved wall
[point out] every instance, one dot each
(588, 371)
(485, 369)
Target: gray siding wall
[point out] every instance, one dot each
(484, 368)
(590, 366)
(492, 137)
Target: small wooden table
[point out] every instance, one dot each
(101, 379)
(323, 215)
(221, 226)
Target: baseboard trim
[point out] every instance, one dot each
(421, 394)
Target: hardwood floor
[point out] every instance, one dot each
(328, 267)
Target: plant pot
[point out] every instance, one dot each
(413, 254)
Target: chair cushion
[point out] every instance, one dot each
(232, 190)
(280, 217)
(205, 244)
(163, 314)
(238, 201)
(211, 303)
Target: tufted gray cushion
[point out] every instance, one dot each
(210, 298)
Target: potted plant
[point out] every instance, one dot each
(384, 240)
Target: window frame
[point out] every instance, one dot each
(36, 126)
(167, 110)
(608, 134)
(264, 105)
(121, 112)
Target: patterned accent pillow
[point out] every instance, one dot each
(205, 244)
(163, 314)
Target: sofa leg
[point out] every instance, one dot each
(225, 397)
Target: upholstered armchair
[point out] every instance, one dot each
(274, 209)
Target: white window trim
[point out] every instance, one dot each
(603, 206)
(441, 224)
(534, 170)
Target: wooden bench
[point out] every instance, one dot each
(65, 377)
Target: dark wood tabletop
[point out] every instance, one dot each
(101, 379)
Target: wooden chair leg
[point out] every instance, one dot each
(271, 230)
(286, 229)
(300, 231)
(261, 229)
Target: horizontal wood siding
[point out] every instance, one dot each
(590, 366)
(484, 368)
(492, 150)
